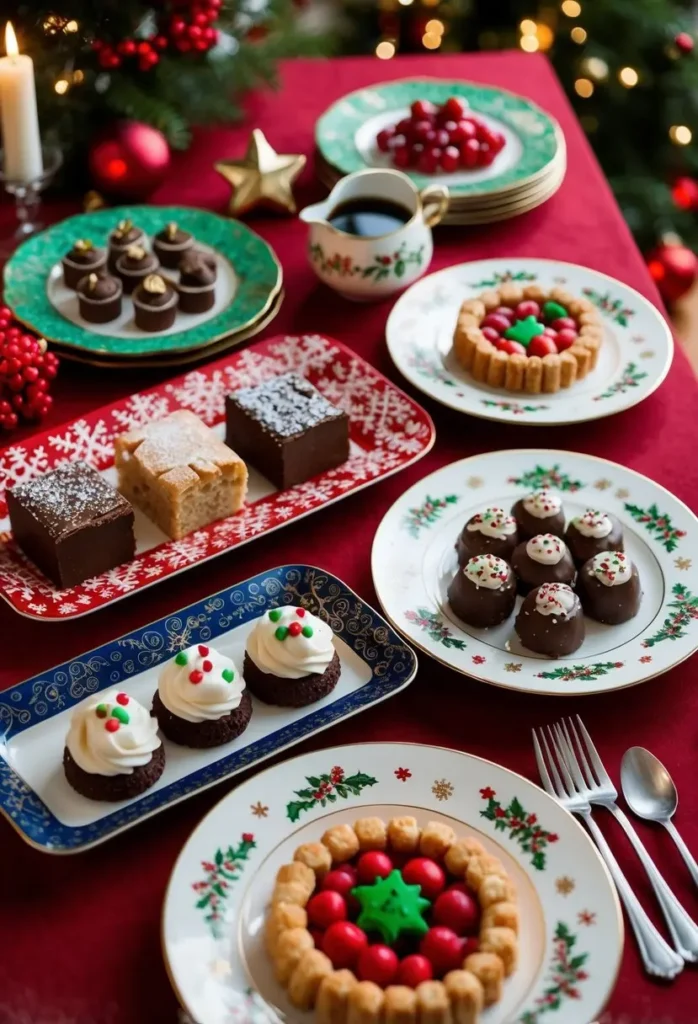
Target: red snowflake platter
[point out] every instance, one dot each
(388, 431)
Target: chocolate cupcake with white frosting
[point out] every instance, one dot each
(609, 588)
(171, 244)
(539, 512)
(290, 659)
(84, 258)
(112, 751)
(201, 699)
(483, 592)
(490, 532)
(593, 532)
(544, 558)
(551, 621)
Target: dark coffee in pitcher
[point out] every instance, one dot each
(369, 217)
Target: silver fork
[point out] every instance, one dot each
(657, 955)
(598, 788)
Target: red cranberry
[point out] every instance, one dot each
(428, 161)
(550, 333)
(497, 141)
(421, 129)
(491, 334)
(405, 127)
(423, 110)
(565, 339)
(454, 107)
(542, 346)
(496, 320)
(469, 153)
(463, 131)
(443, 949)
(347, 869)
(527, 308)
(373, 864)
(338, 881)
(343, 943)
(378, 964)
(485, 155)
(564, 323)
(442, 138)
(413, 970)
(326, 907)
(450, 158)
(401, 156)
(396, 142)
(426, 873)
(457, 911)
(383, 139)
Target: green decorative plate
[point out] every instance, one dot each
(249, 279)
(346, 133)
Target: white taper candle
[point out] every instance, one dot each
(21, 140)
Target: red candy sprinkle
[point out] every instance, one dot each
(372, 865)
(326, 907)
(426, 873)
(111, 725)
(443, 949)
(122, 698)
(300, 612)
(457, 910)
(196, 676)
(203, 650)
(208, 666)
(295, 629)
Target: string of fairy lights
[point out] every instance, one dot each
(539, 36)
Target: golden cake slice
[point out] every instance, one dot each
(178, 472)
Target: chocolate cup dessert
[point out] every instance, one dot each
(134, 266)
(551, 621)
(609, 588)
(483, 592)
(540, 512)
(542, 559)
(84, 258)
(580, 535)
(171, 244)
(114, 787)
(490, 532)
(124, 234)
(197, 282)
(99, 298)
(154, 304)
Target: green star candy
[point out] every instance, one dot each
(391, 906)
(524, 331)
(553, 311)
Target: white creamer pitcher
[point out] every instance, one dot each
(367, 267)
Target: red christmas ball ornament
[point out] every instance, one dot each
(426, 873)
(372, 865)
(684, 42)
(685, 193)
(130, 159)
(343, 943)
(326, 907)
(378, 964)
(673, 268)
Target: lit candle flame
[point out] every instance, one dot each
(11, 47)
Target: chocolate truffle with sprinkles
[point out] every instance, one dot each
(543, 559)
(539, 512)
(490, 532)
(609, 588)
(591, 533)
(72, 523)
(551, 621)
(287, 429)
(483, 592)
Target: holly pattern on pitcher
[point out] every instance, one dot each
(390, 264)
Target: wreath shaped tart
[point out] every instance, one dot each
(528, 338)
(393, 923)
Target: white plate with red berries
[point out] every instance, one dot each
(487, 145)
(633, 353)
(227, 943)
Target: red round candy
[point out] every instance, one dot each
(514, 348)
(378, 964)
(457, 911)
(485, 155)
(372, 865)
(347, 869)
(443, 949)
(454, 108)
(426, 873)
(491, 334)
(338, 881)
(295, 629)
(343, 943)
(542, 346)
(423, 110)
(470, 945)
(527, 308)
(122, 698)
(450, 158)
(496, 320)
(463, 131)
(550, 333)
(565, 339)
(564, 323)
(469, 153)
(326, 907)
(505, 311)
(413, 970)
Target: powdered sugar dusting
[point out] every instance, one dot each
(69, 497)
(286, 405)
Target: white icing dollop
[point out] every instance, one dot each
(546, 548)
(542, 504)
(291, 642)
(593, 524)
(487, 571)
(200, 685)
(493, 522)
(102, 748)
(555, 599)
(611, 568)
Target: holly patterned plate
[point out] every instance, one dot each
(414, 560)
(249, 279)
(35, 715)
(387, 432)
(571, 925)
(345, 134)
(634, 359)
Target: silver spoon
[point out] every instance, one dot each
(651, 794)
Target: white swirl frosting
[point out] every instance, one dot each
(555, 599)
(487, 571)
(493, 522)
(593, 524)
(111, 734)
(291, 643)
(542, 504)
(611, 568)
(546, 548)
(200, 685)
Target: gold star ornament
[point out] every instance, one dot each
(262, 177)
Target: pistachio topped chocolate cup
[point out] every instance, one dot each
(99, 297)
(135, 265)
(171, 244)
(82, 259)
(154, 304)
(197, 282)
(124, 234)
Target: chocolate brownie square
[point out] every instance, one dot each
(71, 523)
(287, 430)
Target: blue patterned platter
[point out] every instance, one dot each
(49, 815)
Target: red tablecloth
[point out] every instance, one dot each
(80, 935)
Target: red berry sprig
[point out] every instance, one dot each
(187, 27)
(26, 372)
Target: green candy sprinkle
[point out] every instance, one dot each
(228, 675)
(101, 711)
(181, 658)
(307, 631)
(553, 311)
(275, 614)
(281, 633)
(121, 715)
